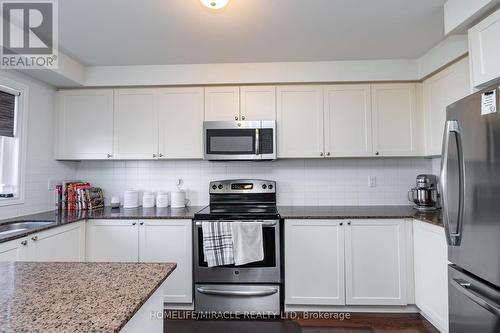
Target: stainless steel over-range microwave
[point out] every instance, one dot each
(240, 140)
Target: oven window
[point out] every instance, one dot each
(227, 142)
(268, 238)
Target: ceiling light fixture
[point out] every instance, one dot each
(215, 4)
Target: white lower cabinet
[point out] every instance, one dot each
(112, 241)
(375, 257)
(431, 273)
(146, 241)
(336, 262)
(314, 262)
(65, 243)
(170, 241)
(15, 250)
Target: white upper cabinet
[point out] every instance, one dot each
(375, 261)
(135, 124)
(484, 50)
(314, 261)
(222, 103)
(300, 121)
(348, 127)
(170, 241)
(85, 123)
(439, 91)
(394, 119)
(180, 117)
(258, 103)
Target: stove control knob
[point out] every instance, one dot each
(264, 186)
(270, 186)
(214, 187)
(220, 186)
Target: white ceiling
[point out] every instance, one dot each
(147, 32)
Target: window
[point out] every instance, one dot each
(11, 142)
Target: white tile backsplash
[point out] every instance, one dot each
(299, 182)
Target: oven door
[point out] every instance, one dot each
(265, 271)
(244, 140)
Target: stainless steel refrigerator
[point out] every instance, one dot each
(470, 191)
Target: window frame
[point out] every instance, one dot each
(21, 126)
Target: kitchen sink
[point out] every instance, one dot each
(17, 227)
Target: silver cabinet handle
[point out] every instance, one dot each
(341, 223)
(466, 288)
(109, 156)
(134, 223)
(34, 238)
(242, 117)
(453, 237)
(160, 155)
(328, 154)
(154, 155)
(242, 293)
(142, 223)
(377, 153)
(24, 243)
(321, 154)
(236, 118)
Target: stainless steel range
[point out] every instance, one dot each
(254, 287)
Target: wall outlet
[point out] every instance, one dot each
(372, 181)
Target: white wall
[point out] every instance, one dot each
(300, 182)
(40, 165)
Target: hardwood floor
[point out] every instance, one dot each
(356, 323)
(377, 322)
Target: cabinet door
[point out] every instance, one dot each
(85, 124)
(348, 123)
(65, 243)
(314, 261)
(15, 250)
(258, 103)
(136, 124)
(112, 241)
(484, 50)
(222, 103)
(375, 259)
(170, 241)
(300, 121)
(431, 273)
(394, 119)
(439, 91)
(180, 115)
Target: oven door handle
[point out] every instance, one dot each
(264, 223)
(240, 293)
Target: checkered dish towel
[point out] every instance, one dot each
(217, 243)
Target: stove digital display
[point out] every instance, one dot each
(241, 186)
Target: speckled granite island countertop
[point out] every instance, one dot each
(358, 212)
(75, 297)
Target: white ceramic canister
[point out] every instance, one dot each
(148, 200)
(178, 199)
(131, 199)
(162, 199)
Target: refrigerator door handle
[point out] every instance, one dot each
(466, 288)
(453, 237)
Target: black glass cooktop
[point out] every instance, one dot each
(221, 212)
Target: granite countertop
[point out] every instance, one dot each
(287, 212)
(66, 217)
(360, 212)
(75, 297)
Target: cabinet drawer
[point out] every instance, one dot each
(237, 298)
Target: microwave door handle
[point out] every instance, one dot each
(453, 238)
(257, 141)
